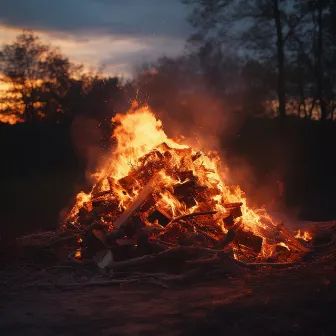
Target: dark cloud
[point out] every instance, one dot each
(155, 48)
(119, 34)
(91, 17)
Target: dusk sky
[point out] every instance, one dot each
(119, 34)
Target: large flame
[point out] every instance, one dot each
(142, 150)
(136, 133)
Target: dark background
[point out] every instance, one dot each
(42, 171)
(256, 81)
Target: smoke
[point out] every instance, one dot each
(86, 137)
(207, 123)
(204, 121)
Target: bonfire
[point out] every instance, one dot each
(160, 205)
(175, 194)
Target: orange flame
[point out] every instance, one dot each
(142, 144)
(284, 245)
(305, 235)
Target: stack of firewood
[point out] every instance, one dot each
(147, 222)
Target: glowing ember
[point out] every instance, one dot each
(187, 181)
(284, 245)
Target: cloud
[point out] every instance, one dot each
(119, 34)
(117, 56)
(149, 50)
(116, 17)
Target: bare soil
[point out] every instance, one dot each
(296, 301)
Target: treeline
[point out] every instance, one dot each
(286, 50)
(256, 57)
(40, 83)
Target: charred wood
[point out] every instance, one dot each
(159, 215)
(236, 212)
(197, 155)
(186, 175)
(192, 239)
(194, 214)
(233, 205)
(283, 234)
(227, 240)
(138, 202)
(250, 240)
(149, 203)
(92, 243)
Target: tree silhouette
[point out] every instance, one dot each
(259, 28)
(37, 76)
(44, 84)
(295, 37)
(22, 71)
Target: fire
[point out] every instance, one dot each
(78, 252)
(143, 150)
(81, 199)
(137, 133)
(304, 235)
(284, 245)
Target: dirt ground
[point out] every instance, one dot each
(265, 302)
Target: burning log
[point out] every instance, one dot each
(102, 207)
(188, 187)
(208, 237)
(197, 155)
(127, 182)
(149, 203)
(186, 175)
(174, 179)
(102, 193)
(233, 205)
(290, 239)
(184, 188)
(97, 187)
(250, 240)
(194, 214)
(236, 212)
(138, 202)
(242, 237)
(188, 234)
(282, 253)
(227, 240)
